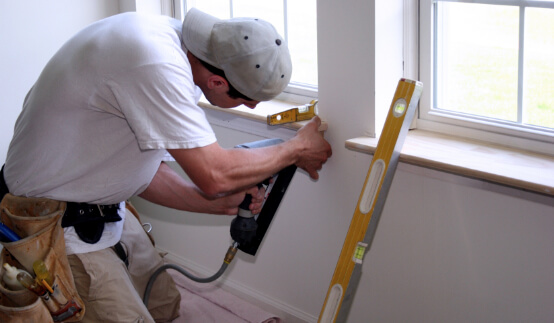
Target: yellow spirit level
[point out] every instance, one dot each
(371, 202)
(305, 112)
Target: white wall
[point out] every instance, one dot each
(448, 249)
(32, 31)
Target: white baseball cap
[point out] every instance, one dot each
(254, 57)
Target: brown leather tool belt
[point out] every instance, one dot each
(87, 219)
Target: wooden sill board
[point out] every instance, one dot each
(494, 163)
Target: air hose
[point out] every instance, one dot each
(228, 258)
(243, 230)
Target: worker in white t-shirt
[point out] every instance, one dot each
(109, 105)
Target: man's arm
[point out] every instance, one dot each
(217, 171)
(169, 189)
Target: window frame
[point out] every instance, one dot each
(481, 128)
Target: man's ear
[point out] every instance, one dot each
(216, 82)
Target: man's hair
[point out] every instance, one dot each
(233, 93)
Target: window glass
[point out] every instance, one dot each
(493, 62)
(302, 39)
(477, 51)
(538, 94)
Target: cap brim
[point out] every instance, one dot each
(197, 31)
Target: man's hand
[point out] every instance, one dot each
(258, 197)
(228, 205)
(316, 150)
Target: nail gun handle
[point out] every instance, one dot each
(245, 204)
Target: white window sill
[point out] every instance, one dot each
(471, 158)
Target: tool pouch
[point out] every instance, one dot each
(20, 306)
(38, 222)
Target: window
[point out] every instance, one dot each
(294, 20)
(489, 69)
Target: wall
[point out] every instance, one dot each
(447, 249)
(32, 31)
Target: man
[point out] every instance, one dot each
(100, 118)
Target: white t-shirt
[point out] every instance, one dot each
(97, 123)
